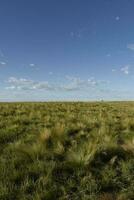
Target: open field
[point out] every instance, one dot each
(67, 151)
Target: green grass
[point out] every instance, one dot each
(67, 151)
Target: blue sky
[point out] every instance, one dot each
(66, 50)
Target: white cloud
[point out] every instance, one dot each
(42, 85)
(76, 83)
(80, 32)
(32, 65)
(114, 70)
(69, 84)
(125, 69)
(73, 83)
(50, 73)
(26, 84)
(108, 55)
(76, 34)
(69, 87)
(16, 81)
(2, 63)
(130, 46)
(117, 18)
(10, 87)
(92, 82)
(75, 80)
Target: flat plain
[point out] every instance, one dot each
(67, 151)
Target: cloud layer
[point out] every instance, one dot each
(70, 84)
(25, 84)
(131, 46)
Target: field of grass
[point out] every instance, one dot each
(67, 151)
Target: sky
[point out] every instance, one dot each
(66, 50)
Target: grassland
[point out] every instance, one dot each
(67, 151)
